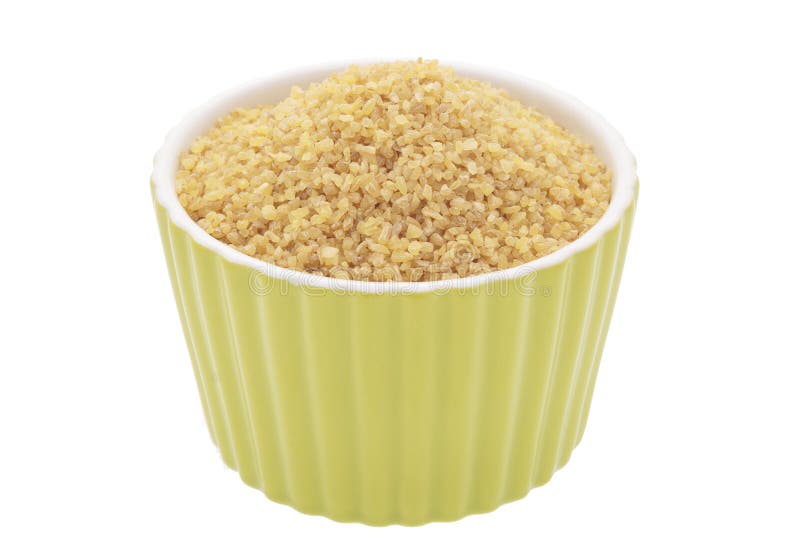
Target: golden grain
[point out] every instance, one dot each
(393, 171)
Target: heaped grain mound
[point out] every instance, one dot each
(396, 171)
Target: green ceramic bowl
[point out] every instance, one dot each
(396, 402)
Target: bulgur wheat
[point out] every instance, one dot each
(394, 171)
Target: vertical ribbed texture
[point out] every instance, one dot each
(395, 408)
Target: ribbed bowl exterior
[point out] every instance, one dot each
(395, 408)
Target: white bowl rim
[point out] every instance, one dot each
(564, 108)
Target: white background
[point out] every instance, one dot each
(694, 425)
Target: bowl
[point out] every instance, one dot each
(396, 402)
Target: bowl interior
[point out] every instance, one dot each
(564, 109)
